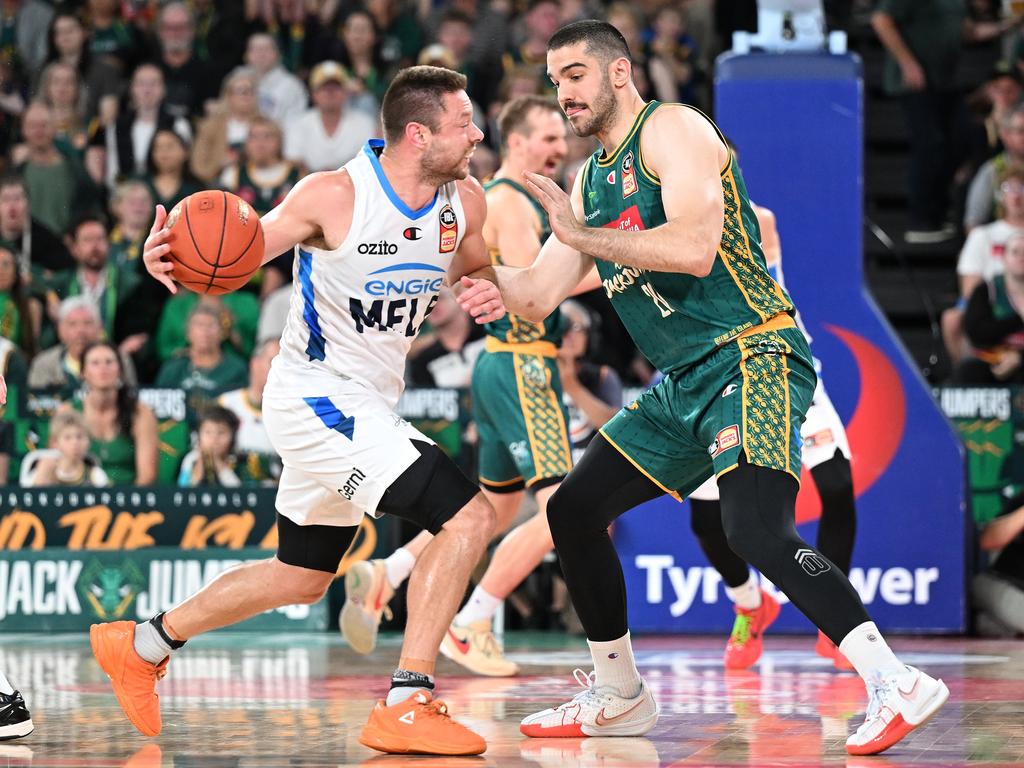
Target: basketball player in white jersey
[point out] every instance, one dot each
(375, 241)
(506, 411)
(826, 453)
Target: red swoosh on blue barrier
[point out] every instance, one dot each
(875, 430)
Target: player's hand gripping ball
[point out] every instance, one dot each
(216, 242)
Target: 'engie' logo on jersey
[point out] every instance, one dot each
(402, 285)
(408, 298)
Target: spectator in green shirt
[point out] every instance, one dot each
(204, 370)
(105, 286)
(239, 316)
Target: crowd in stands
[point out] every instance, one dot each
(111, 107)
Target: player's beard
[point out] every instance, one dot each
(603, 110)
(436, 169)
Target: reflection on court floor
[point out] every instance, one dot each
(234, 700)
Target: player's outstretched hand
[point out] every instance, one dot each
(556, 202)
(481, 299)
(156, 248)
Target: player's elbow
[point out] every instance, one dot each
(535, 311)
(705, 260)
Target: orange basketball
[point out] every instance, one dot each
(216, 242)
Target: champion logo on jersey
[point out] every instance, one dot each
(611, 177)
(629, 185)
(412, 233)
(449, 230)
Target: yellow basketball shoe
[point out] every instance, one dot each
(477, 649)
(367, 594)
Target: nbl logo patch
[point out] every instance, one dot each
(629, 185)
(449, 230)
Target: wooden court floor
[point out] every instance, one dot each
(234, 700)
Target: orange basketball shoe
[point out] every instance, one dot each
(418, 726)
(133, 678)
(828, 649)
(745, 643)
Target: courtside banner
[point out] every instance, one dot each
(133, 517)
(67, 590)
(797, 122)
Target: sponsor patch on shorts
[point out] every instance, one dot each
(822, 437)
(725, 439)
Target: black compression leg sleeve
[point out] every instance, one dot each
(758, 513)
(838, 526)
(599, 489)
(706, 522)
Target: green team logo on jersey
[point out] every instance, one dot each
(110, 589)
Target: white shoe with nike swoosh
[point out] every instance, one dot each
(477, 649)
(367, 594)
(595, 712)
(897, 705)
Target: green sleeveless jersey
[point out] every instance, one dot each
(675, 319)
(512, 329)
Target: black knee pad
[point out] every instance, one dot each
(430, 492)
(318, 547)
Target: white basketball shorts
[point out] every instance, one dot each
(341, 445)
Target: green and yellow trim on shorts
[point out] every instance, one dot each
(750, 395)
(521, 420)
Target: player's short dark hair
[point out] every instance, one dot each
(603, 41)
(514, 116)
(416, 95)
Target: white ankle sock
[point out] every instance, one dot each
(5, 685)
(482, 605)
(615, 667)
(399, 565)
(150, 644)
(867, 650)
(747, 595)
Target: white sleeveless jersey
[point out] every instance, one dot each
(356, 310)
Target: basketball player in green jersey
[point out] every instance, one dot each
(517, 406)
(664, 213)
